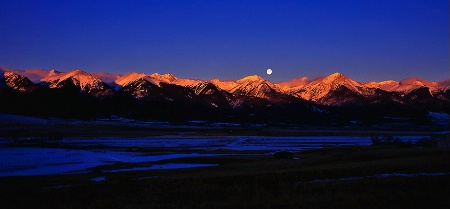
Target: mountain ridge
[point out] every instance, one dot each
(254, 85)
(335, 89)
(331, 99)
(37, 74)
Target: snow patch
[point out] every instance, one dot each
(164, 167)
(98, 179)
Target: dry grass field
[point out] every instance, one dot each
(343, 177)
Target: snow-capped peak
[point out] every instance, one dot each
(405, 86)
(53, 73)
(251, 78)
(171, 79)
(336, 75)
(10, 74)
(337, 78)
(78, 74)
(84, 80)
(33, 74)
(318, 88)
(166, 78)
(128, 78)
(254, 86)
(17, 82)
(409, 84)
(381, 84)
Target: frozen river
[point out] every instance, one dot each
(45, 161)
(80, 155)
(236, 143)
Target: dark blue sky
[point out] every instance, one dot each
(368, 40)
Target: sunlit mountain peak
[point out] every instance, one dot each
(128, 78)
(251, 78)
(166, 78)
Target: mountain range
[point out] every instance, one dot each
(136, 93)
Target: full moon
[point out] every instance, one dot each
(269, 71)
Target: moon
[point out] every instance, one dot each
(269, 71)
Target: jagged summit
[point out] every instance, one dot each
(9, 74)
(85, 81)
(319, 88)
(53, 73)
(17, 82)
(171, 79)
(255, 86)
(407, 85)
(166, 78)
(78, 76)
(155, 79)
(337, 78)
(33, 74)
(336, 75)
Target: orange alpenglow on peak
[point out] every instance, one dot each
(250, 78)
(167, 77)
(128, 78)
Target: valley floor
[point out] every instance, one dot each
(125, 164)
(342, 177)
